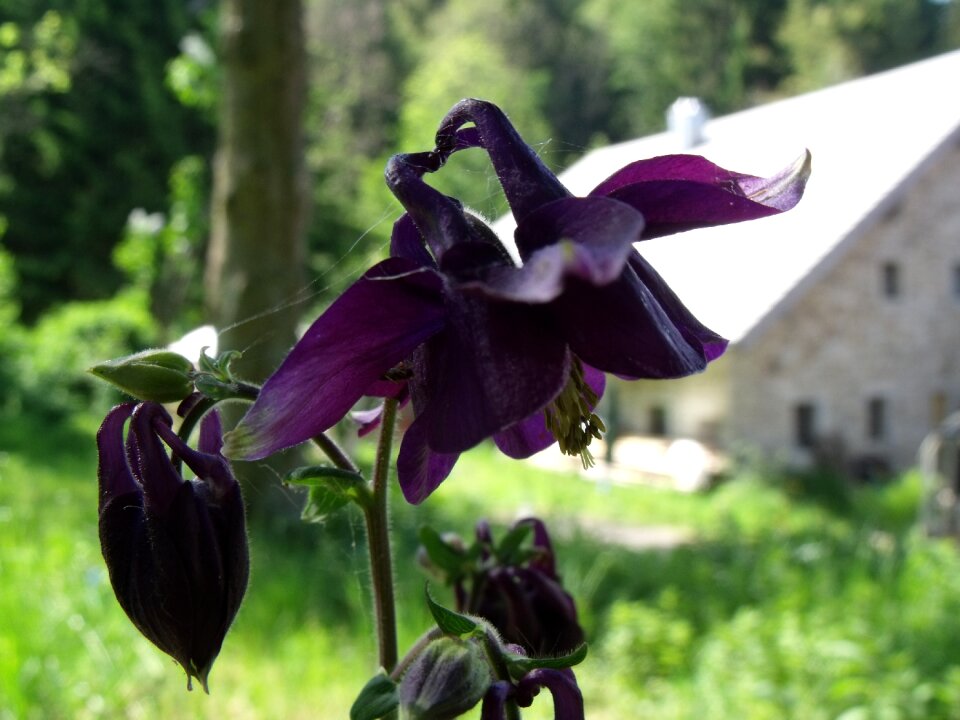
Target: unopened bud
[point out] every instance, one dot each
(448, 678)
(152, 375)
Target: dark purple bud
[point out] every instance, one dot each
(176, 550)
(524, 598)
(448, 678)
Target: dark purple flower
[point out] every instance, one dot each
(522, 596)
(176, 550)
(489, 349)
(562, 684)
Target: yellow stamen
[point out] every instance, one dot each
(570, 417)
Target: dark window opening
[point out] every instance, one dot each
(876, 418)
(658, 421)
(804, 419)
(891, 280)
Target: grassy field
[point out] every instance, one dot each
(780, 607)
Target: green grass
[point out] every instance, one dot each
(781, 608)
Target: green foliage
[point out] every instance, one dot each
(49, 362)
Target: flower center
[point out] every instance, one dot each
(570, 417)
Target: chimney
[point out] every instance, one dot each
(687, 118)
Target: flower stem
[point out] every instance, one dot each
(378, 542)
(334, 452)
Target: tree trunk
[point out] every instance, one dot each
(256, 256)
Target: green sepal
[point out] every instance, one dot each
(520, 665)
(442, 554)
(329, 489)
(154, 375)
(378, 697)
(450, 622)
(221, 365)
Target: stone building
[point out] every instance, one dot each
(843, 314)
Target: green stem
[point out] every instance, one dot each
(378, 542)
(335, 453)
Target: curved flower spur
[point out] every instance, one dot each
(489, 349)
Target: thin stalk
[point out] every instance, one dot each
(378, 542)
(334, 452)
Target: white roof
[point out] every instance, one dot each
(867, 137)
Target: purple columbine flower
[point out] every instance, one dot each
(489, 349)
(176, 550)
(562, 684)
(522, 597)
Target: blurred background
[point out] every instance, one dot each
(171, 164)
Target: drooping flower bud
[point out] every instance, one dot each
(447, 678)
(176, 550)
(519, 592)
(152, 375)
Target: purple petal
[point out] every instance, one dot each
(682, 192)
(567, 698)
(420, 470)
(406, 242)
(692, 329)
(113, 471)
(527, 182)
(530, 435)
(623, 329)
(525, 438)
(154, 469)
(495, 701)
(494, 365)
(211, 434)
(374, 325)
(571, 237)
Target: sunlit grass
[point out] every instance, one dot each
(780, 608)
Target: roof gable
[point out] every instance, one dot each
(869, 137)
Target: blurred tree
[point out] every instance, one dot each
(256, 253)
(832, 40)
(88, 133)
(663, 49)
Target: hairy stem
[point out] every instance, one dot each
(378, 542)
(334, 452)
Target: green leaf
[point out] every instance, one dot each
(452, 623)
(520, 665)
(442, 554)
(512, 541)
(330, 489)
(378, 697)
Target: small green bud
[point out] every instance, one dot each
(448, 678)
(152, 375)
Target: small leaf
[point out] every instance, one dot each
(512, 541)
(520, 665)
(452, 623)
(378, 697)
(442, 554)
(329, 489)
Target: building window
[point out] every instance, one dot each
(804, 424)
(876, 418)
(658, 421)
(891, 279)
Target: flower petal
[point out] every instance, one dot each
(420, 470)
(683, 192)
(495, 364)
(571, 237)
(692, 329)
(567, 698)
(154, 469)
(530, 435)
(622, 328)
(113, 471)
(406, 242)
(374, 325)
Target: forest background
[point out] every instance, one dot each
(109, 122)
(795, 598)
